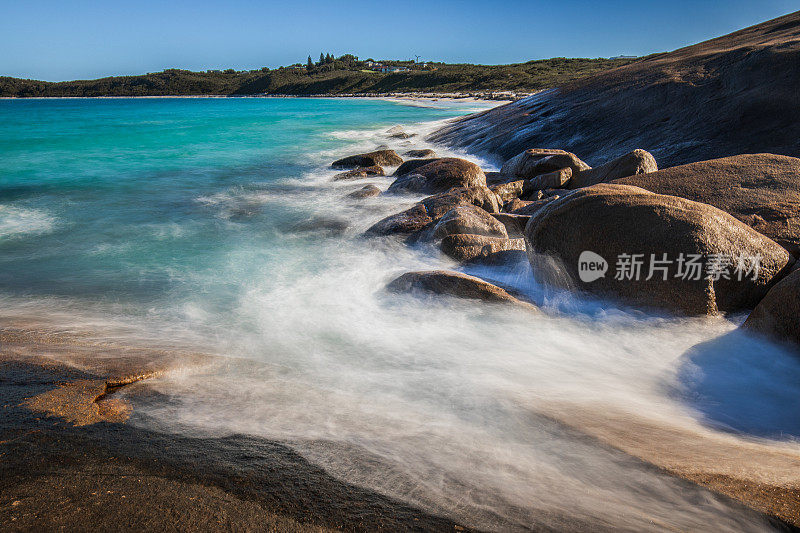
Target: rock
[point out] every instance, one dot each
(440, 175)
(468, 219)
(433, 208)
(555, 192)
(449, 283)
(379, 157)
(324, 225)
(358, 173)
(495, 178)
(630, 164)
(411, 165)
(465, 247)
(515, 224)
(366, 191)
(614, 220)
(537, 161)
(397, 132)
(509, 191)
(761, 190)
(421, 154)
(533, 207)
(778, 315)
(515, 204)
(531, 195)
(551, 180)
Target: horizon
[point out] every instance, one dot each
(108, 41)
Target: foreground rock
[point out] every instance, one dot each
(398, 132)
(537, 161)
(387, 158)
(468, 219)
(449, 283)
(761, 190)
(420, 154)
(778, 315)
(622, 223)
(480, 248)
(367, 191)
(358, 173)
(411, 165)
(440, 175)
(630, 164)
(432, 209)
(552, 180)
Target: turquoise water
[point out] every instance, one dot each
(105, 198)
(213, 225)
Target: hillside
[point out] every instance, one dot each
(524, 77)
(729, 95)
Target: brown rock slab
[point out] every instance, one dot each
(387, 158)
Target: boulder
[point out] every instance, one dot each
(537, 161)
(515, 204)
(397, 132)
(761, 190)
(358, 173)
(433, 208)
(387, 158)
(330, 226)
(555, 192)
(411, 165)
(474, 248)
(531, 195)
(366, 191)
(515, 224)
(777, 316)
(468, 219)
(421, 154)
(449, 283)
(627, 226)
(630, 164)
(533, 207)
(551, 180)
(509, 191)
(440, 175)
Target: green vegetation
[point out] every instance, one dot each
(343, 75)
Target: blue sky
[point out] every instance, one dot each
(59, 40)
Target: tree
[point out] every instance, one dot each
(328, 58)
(321, 58)
(309, 64)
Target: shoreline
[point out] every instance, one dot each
(501, 97)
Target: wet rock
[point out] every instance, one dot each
(551, 180)
(630, 164)
(440, 175)
(478, 248)
(624, 224)
(367, 191)
(432, 209)
(761, 190)
(515, 224)
(777, 316)
(325, 225)
(397, 132)
(449, 283)
(359, 173)
(515, 204)
(537, 161)
(421, 154)
(411, 165)
(468, 219)
(378, 157)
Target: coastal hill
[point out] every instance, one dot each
(730, 95)
(343, 75)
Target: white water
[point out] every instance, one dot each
(440, 402)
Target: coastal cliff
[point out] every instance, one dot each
(730, 95)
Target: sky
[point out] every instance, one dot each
(74, 39)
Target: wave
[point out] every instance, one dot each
(17, 222)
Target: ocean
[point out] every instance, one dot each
(213, 226)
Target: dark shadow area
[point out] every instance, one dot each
(744, 384)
